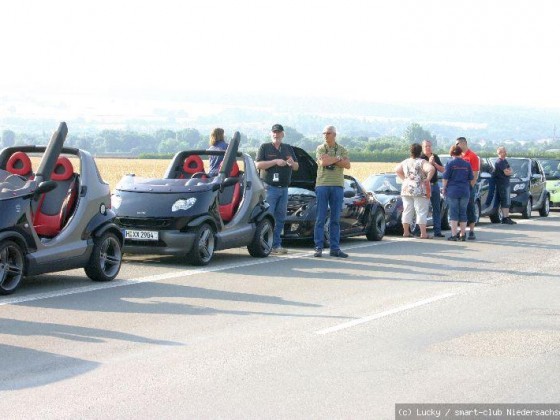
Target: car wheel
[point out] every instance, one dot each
(105, 260)
(445, 222)
(203, 246)
(261, 245)
(526, 213)
(545, 209)
(497, 216)
(12, 264)
(476, 212)
(377, 227)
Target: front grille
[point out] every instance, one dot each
(159, 244)
(143, 223)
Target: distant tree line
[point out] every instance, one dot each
(164, 143)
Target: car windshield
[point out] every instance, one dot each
(551, 168)
(520, 167)
(382, 184)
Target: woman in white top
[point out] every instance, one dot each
(415, 174)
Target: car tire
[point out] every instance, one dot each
(526, 213)
(545, 209)
(261, 245)
(445, 224)
(377, 227)
(105, 260)
(477, 210)
(12, 267)
(204, 243)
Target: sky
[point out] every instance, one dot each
(484, 52)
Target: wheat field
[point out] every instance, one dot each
(112, 170)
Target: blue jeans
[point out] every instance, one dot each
(458, 208)
(277, 198)
(436, 208)
(332, 198)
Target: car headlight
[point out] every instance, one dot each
(183, 204)
(116, 201)
(518, 187)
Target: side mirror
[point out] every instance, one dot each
(537, 176)
(45, 187)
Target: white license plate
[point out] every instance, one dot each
(142, 235)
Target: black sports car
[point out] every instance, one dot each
(190, 213)
(361, 213)
(387, 189)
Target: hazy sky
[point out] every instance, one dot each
(477, 51)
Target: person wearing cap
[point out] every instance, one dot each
(332, 159)
(474, 160)
(275, 162)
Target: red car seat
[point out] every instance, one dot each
(191, 165)
(56, 206)
(230, 197)
(20, 164)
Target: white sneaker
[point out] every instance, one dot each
(278, 251)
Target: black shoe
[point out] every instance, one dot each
(338, 254)
(439, 235)
(462, 238)
(318, 252)
(453, 238)
(508, 221)
(472, 237)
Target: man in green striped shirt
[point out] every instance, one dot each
(332, 159)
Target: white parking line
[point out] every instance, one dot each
(383, 314)
(166, 276)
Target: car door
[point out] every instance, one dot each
(486, 188)
(353, 207)
(537, 183)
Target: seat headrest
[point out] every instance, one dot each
(19, 164)
(63, 170)
(234, 169)
(193, 164)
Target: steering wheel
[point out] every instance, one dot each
(199, 175)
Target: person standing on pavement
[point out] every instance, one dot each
(275, 162)
(435, 197)
(502, 173)
(415, 174)
(474, 160)
(456, 188)
(332, 159)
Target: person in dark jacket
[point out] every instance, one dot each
(217, 142)
(502, 173)
(456, 182)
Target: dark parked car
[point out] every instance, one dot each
(190, 214)
(56, 218)
(551, 168)
(361, 213)
(386, 188)
(527, 189)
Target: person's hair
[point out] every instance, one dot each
(216, 136)
(500, 148)
(330, 128)
(426, 141)
(455, 151)
(415, 150)
(461, 140)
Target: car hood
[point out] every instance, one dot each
(306, 174)
(138, 184)
(385, 198)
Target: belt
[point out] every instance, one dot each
(276, 186)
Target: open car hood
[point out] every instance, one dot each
(306, 175)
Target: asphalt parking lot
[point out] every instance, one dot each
(400, 321)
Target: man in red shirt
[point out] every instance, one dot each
(474, 161)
